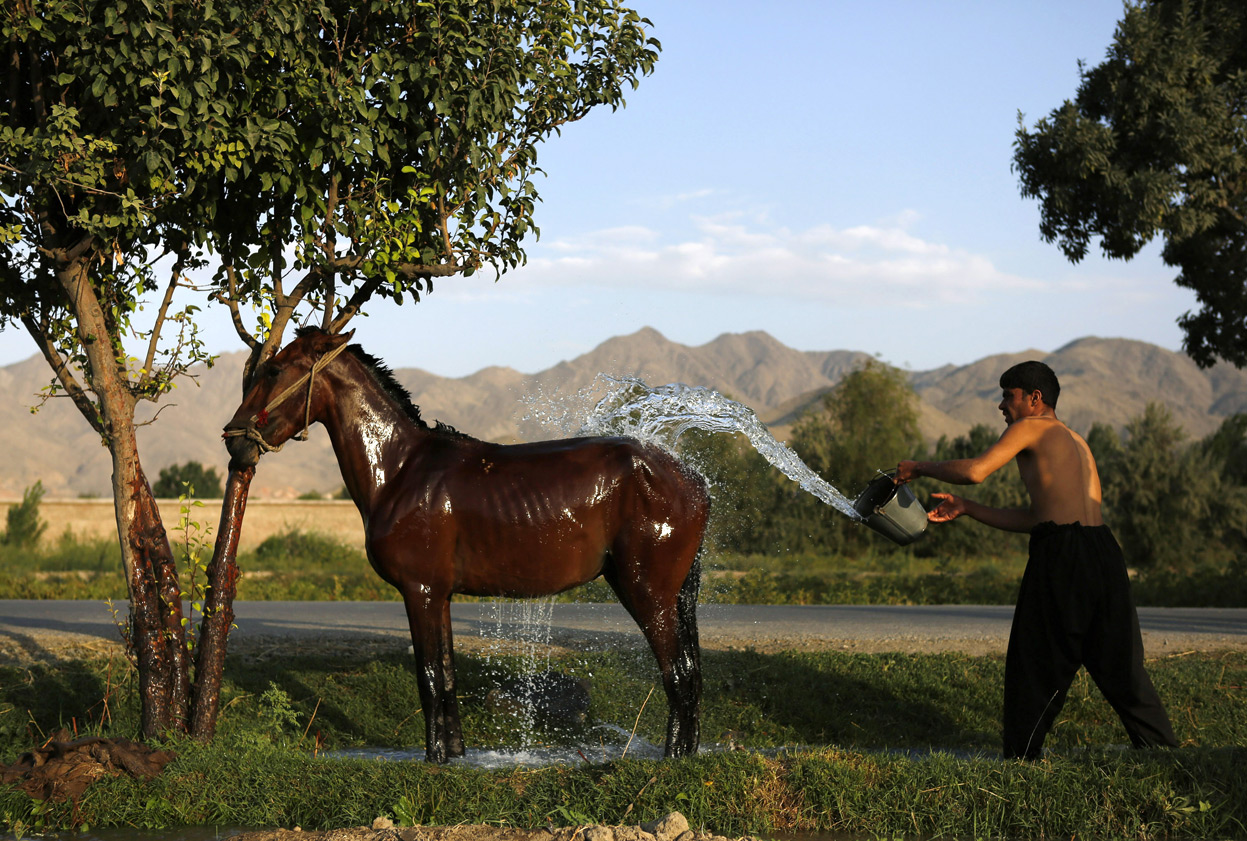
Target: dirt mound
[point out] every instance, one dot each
(674, 827)
(63, 769)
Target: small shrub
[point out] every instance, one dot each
(25, 528)
(305, 551)
(173, 480)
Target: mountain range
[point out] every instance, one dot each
(1103, 380)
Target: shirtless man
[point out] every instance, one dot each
(1074, 606)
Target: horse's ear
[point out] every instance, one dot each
(339, 339)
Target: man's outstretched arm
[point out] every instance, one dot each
(970, 471)
(1007, 519)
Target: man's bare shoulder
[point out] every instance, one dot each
(1046, 435)
(1033, 428)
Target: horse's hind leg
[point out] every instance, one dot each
(669, 622)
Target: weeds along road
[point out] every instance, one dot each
(49, 626)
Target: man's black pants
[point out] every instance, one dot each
(1074, 609)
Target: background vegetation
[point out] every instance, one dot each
(1178, 507)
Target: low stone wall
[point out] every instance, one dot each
(92, 518)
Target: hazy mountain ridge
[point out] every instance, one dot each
(1108, 380)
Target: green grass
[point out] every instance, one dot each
(300, 566)
(878, 745)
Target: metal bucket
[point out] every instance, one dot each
(892, 510)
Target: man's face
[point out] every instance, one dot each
(1018, 404)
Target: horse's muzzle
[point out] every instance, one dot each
(243, 450)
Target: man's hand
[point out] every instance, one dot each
(906, 471)
(950, 508)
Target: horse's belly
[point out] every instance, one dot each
(527, 568)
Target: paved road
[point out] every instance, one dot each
(975, 629)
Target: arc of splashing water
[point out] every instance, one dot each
(664, 413)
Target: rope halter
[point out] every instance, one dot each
(252, 431)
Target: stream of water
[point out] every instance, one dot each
(660, 415)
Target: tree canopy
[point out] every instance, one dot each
(285, 154)
(1152, 145)
(364, 148)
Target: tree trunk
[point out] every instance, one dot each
(156, 630)
(151, 575)
(218, 612)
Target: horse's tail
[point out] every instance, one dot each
(689, 661)
(690, 590)
(684, 723)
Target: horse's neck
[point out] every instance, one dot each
(372, 437)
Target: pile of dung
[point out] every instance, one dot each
(63, 769)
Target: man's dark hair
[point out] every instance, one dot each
(1033, 376)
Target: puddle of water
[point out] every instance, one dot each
(531, 756)
(539, 756)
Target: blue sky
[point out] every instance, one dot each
(834, 173)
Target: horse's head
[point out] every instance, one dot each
(278, 405)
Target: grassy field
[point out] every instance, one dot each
(872, 745)
(876, 746)
(304, 566)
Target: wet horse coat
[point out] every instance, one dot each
(445, 513)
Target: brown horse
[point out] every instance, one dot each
(444, 513)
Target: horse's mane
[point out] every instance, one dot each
(391, 386)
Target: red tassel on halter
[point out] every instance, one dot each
(261, 418)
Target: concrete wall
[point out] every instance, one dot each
(89, 518)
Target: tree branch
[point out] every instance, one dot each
(361, 296)
(12, 74)
(67, 254)
(41, 333)
(230, 300)
(331, 251)
(36, 86)
(159, 324)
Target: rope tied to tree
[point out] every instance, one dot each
(252, 431)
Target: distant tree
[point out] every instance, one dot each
(1224, 455)
(1170, 507)
(174, 480)
(867, 422)
(25, 528)
(1227, 449)
(746, 514)
(1152, 145)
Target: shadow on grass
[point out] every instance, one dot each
(40, 694)
(750, 700)
(862, 701)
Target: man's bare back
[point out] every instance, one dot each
(1059, 473)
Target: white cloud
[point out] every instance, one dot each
(731, 253)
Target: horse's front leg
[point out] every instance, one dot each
(425, 616)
